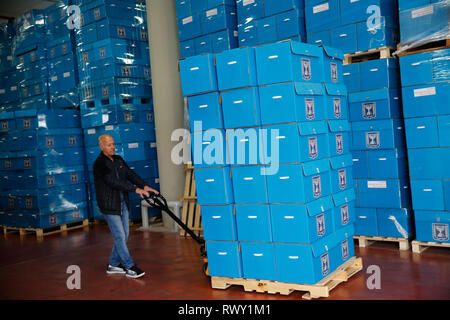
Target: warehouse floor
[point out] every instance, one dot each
(37, 270)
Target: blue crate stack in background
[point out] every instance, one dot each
(267, 21)
(42, 150)
(115, 88)
(425, 80)
(352, 26)
(263, 216)
(206, 26)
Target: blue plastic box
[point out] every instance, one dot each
(375, 105)
(219, 223)
(432, 226)
(253, 222)
(377, 134)
(198, 74)
(214, 186)
(224, 259)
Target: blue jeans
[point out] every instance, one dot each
(120, 229)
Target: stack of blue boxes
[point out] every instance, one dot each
(206, 26)
(62, 65)
(352, 26)
(426, 95)
(266, 21)
(41, 148)
(270, 142)
(378, 147)
(115, 88)
(423, 21)
(9, 90)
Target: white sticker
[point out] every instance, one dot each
(54, 78)
(66, 74)
(13, 88)
(247, 2)
(377, 184)
(425, 92)
(9, 58)
(133, 145)
(212, 12)
(422, 12)
(2, 91)
(109, 128)
(91, 131)
(152, 144)
(321, 8)
(352, 1)
(187, 20)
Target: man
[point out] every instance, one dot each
(111, 176)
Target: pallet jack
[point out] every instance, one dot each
(159, 202)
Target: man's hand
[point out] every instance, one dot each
(142, 193)
(147, 188)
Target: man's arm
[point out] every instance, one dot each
(137, 180)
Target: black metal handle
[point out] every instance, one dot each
(159, 202)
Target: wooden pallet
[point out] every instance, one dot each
(40, 232)
(319, 290)
(365, 241)
(190, 214)
(372, 54)
(432, 46)
(421, 246)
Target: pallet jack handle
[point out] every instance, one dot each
(159, 202)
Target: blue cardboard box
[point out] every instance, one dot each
(383, 33)
(241, 108)
(426, 67)
(187, 48)
(207, 109)
(351, 77)
(299, 183)
(299, 223)
(339, 137)
(434, 96)
(432, 225)
(236, 68)
(332, 65)
(203, 45)
(280, 62)
(366, 223)
(428, 132)
(218, 18)
(47, 178)
(377, 134)
(337, 106)
(54, 138)
(397, 223)
(430, 194)
(198, 74)
(376, 104)
(214, 186)
(292, 101)
(290, 24)
(248, 33)
(189, 27)
(224, 259)
(219, 223)
(245, 147)
(355, 11)
(345, 248)
(7, 121)
(344, 38)
(199, 5)
(224, 40)
(253, 222)
(387, 164)
(429, 163)
(209, 148)
(215, 3)
(341, 173)
(344, 213)
(394, 192)
(123, 133)
(247, 9)
(272, 7)
(183, 8)
(321, 38)
(316, 12)
(49, 158)
(267, 30)
(382, 73)
(258, 260)
(298, 142)
(249, 178)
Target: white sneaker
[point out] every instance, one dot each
(115, 270)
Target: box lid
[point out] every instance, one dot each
(319, 206)
(333, 53)
(339, 125)
(372, 125)
(343, 161)
(309, 88)
(305, 49)
(334, 89)
(316, 167)
(312, 128)
(382, 94)
(344, 197)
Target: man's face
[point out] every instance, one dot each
(107, 146)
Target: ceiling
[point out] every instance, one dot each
(14, 8)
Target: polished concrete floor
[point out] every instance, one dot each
(30, 269)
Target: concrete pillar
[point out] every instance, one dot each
(167, 97)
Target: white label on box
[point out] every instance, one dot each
(321, 8)
(9, 58)
(153, 145)
(247, 2)
(235, 33)
(376, 184)
(2, 91)
(216, 217)
(293, 257)
(212, 12)
(133, 145)
(13, 88)
(231, 62)
(222, 253)
(109, 128)
(187, 20)
(66, 74)
(422, 12)
(54, 78)
(91, 131)
(425, 92)
(351, 1)
(203, 106)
